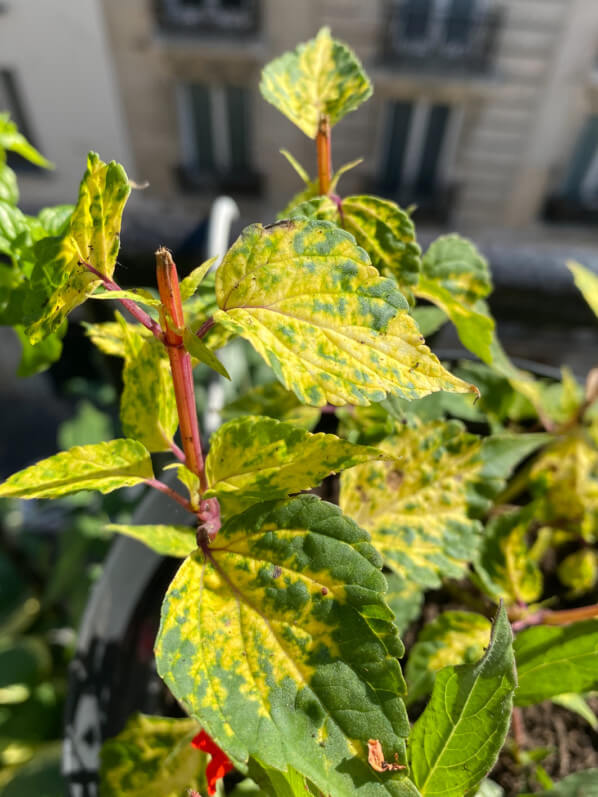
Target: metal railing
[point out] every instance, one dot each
(208, 16)
(416, 37)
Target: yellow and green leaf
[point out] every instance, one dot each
(153, 757)
(379, 226)
(191, 283)
(201, 306)
(278, 642)
(587, 283)
(59, 280)
(103, 466)
(452, 638)
(202, 353)
(405, 598)
(11, 139)
(110, 336)
(321, 77)
(456, 278)
(579, 571)
(274, 401)
(331, 328)
(148, 409)
(165, 540)
(136, 295)
(312, 186)
(256, 459)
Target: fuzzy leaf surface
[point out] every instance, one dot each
(255, 459)
(553, 659)
(59, 282)
(103, 466)
(165, 540)
(322, 76)
(279, 643)
(148, 409)
(152, 757)
(456, 741)
(452, 638)
(273, 401)
(379, 226)
(418, 508)
(455, 277)
(587, 283)
(331, 328)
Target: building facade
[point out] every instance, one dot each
(485, 112)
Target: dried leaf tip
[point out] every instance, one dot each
(376, 758)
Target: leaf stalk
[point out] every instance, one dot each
(323, 145)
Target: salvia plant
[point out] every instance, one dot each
(279, 634)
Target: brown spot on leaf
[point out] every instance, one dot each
(324, 591)
(276, 572)
(394, 478)
(376, 758)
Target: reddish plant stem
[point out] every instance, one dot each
(180, 363)
(323, 147)
(563, 617)
(136, 311)
(518, 727)
(205, 327)
(164, 488)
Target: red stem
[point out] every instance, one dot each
(180, 363)
(164, 488)
(129, 304)
(205, 327)
(563, 617)
(324, 154)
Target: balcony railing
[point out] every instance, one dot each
(225, 17)
(416, 37)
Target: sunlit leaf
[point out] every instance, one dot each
(452, 638)
(110, 336)
(148, 409)
(11, 139)
(556, 659)
(165, 540)
(103, 466)
(273, 401)
(9, 191)
(320, 77)
(578, 705)
(456, 277)
(255, 459)
(587, 282)
(55, 220)
(39, 357)
(379, 226)
(191, 283)
(59, 281)
(152, 757)
(137, 295)
(579, 571)
(330, 327)
(296, 165)
(456, 741)
(505, 567)
(279, 643)
(199, 351)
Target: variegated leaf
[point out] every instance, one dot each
(321, 77)
(579, 571)
(379, 226)
(273, 401)
(165, 540)
(193, 280)
(452, 638)
(11, 139)
(405, 598)
(312, 187)
(110, 336)
(103, 466)
(255, 459)
(278, 642)
(59, 281)
(587, 282)
(455, 277)
(332, 329)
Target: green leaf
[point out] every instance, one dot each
(489, 788)
(521, 381)
(55, 220)
(456, 277)
(418, 508)
(321, 77)
(429, 319)
(579, 571)
(103, 466)
(152, 757)
(587, 283)
(552, 660)
(9, 191)
(580, 784)
(503, 452)
(11, 139)
(296, 166)
(279, 643)
(87, 425)
(273, 401)
(405, 598)
(198, 349)
(253, 458)
(40, 776)
(201, 306)
(505, 567)
(39, 357)
(165, 540)
(456, 741)
(579, 706)
(379, 226)
(110, 337)
(15, 230)
(138, 295)
(312, 187)
(452, 638)
(331, 328)
(148, 409)
(59, 282)
(191, 283)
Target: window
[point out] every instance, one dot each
(419, 146)
(215, 136)
(10, 101)
(225, 16)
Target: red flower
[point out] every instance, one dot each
(219, 764)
